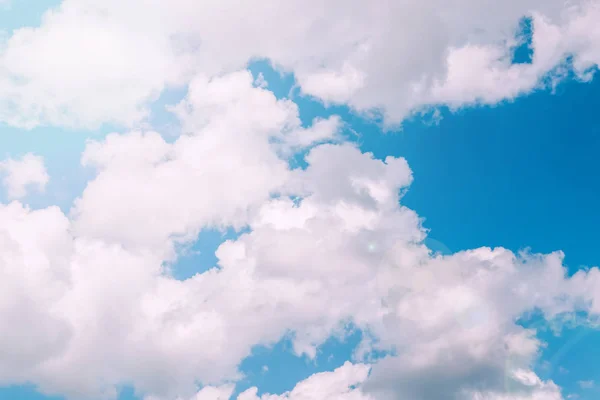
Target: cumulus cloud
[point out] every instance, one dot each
(93, 62)
(230, 159)
(323, 247)
(334, 233)
(22, 174)
(343, 384)
(535, 389)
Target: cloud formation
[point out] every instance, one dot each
(89, 296)
(20, 175)
(93, 293)
(96, 62)
(342, 384)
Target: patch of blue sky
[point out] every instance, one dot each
(523, 51)
(15, 14)
(161, 119)
(24, 392)
(29, 392)
(199, 256)
(568, 358)
(61, 150)
(277, 370)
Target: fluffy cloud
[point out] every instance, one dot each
(341, 384)
(332, 234)
(22, 174)
(89, 297)
(534, 389)
(120, 318)
(228, 161)
(93, 62)
(80, 68)
(97, 282)
(345, 383)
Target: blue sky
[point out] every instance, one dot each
(521, 173)
(18, 14)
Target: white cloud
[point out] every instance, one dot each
(115, 316)
(81, 68)
(341, 384)
(22, 174)
(345, 383)
(96, 285)
(229, 161)
(90, 292)
(92, 62)
(533, 389)
(34, 253)
(260, 81)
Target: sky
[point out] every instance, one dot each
(299, 200)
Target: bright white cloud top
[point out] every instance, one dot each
(89, 296)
